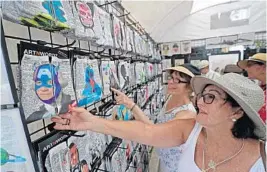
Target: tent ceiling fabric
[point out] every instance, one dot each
(169, 21)
(157, 16)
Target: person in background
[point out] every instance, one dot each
(205, 70)
(232, 68)
(179, 92)
(256, 69)
(224, 136)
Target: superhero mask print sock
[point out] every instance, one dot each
(85, 27)
(46, 76)
(89, 88)
(37, 87)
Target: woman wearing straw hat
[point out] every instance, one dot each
(179, 91)
(256, 69)
(223, 137)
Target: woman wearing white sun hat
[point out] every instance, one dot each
(223, 137)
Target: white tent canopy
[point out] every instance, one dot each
(169, 21)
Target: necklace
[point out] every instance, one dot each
(212, 165)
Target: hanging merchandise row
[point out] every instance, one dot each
(49, 76)
(81, 20)
(74, 78)
(52, 78)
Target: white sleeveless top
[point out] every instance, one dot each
(187, 159)
(169, 157)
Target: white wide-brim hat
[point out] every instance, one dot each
(246, 93)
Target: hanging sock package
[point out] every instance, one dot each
(53, 153)
(139, 73)
(116, 163)
(123, 71)
(29, 86)
(137, 43)
(119, 34)
(46, 85)
(67, 94)
(105, 72)
(88, 81)
(132, 75)
(129, 39)
(80, 152)
(114, 81)
(86, 25)
(148, 70)
(144, 46)
(59, 158)
(122, 156)
(47, 15)
(105, 35)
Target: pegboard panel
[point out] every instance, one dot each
(14, 33)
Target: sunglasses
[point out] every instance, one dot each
(175, 80)
(207, 98)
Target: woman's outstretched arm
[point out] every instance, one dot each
(173, 133)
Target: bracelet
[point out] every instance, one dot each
(132, 107)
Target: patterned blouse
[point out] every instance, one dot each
(169, 157)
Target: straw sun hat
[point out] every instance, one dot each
(246, 93)
(259, 57)
(186, 68)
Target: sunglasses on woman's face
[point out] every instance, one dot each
(175, 80)
(207, 98)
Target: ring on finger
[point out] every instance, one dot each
(67, 122)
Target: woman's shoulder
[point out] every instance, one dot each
(189, 127)
(185, 114)
(252, 153)
(185, 107)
